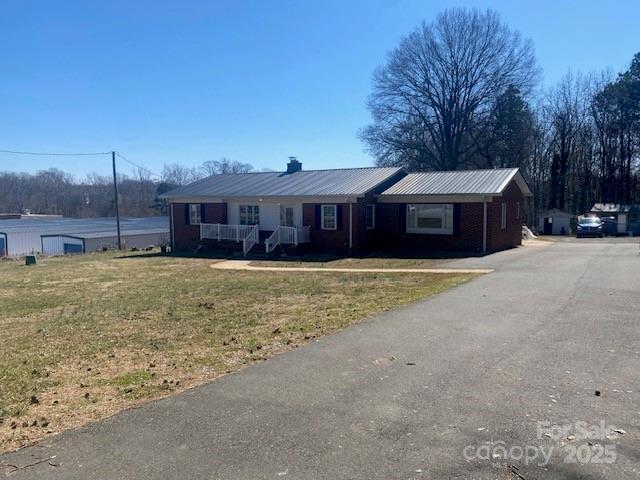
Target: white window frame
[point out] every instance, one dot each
(251, 214)
(323, 217)
(446, 229)
(195, 214)
(371, 207)
(503, 217)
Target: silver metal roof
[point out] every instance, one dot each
(351, 181)
(460, 182)
(614, 208)
(46, 226)
(23, 235)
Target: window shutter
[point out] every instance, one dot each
(457, 219)
(338, 217)
(186, 214)
(318, 217)
(402, 218)
(202, 213)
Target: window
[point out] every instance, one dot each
(430, 218)
(503, 220)
(329, 220)
(249, 215)
(517, 210)
(370, 216)
(286, 216)
(195, 214)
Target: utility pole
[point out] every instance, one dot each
(115, 190)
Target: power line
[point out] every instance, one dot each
(138, 166)
(56, 154)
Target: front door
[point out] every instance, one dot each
(286, 216)
(548, 226)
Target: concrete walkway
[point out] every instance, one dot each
(411, 394)
(246, 265)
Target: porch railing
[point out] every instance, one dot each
(250, 240)
(283, 235)
(248, 235)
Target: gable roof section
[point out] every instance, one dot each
(338, 182)
(459, 182)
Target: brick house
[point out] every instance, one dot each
(351, 211)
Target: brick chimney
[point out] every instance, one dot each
(293, 166)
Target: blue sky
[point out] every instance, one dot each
(255, 81)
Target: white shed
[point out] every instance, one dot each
(554, 222)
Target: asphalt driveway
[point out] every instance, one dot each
(426, 391)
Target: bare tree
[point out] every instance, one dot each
(432, 100)
(225, 166)
(178, 175)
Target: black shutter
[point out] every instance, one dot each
(402, 218)
(202, 213)
(457, 219)
(186, 214)
(318, 217)
(339, 217)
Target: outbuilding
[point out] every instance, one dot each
(63, 244)
(555, 222)
(23, 235)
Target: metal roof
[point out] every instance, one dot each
(459, 182)
(615, 208)
(24, 234)
(46, 226)
(111, 233)
(349, 181)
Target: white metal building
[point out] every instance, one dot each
(26, 235)
(555, 222)
(98, 241)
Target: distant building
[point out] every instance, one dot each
(555, 222)
(26, 234)
(627, 217)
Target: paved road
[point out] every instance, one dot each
(401, 396)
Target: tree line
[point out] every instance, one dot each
(53, 191)
(464, 92)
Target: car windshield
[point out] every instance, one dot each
(589, 221)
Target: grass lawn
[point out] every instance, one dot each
(84, 337)
(373, 262)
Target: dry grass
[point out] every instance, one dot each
(369, 262)
(84, 337)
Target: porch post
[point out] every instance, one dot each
(350, 227)
(484, 227)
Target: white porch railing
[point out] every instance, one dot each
(250, 240)
(286, 235)
(247, 234)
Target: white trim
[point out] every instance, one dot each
(503, 216)
(335, 213)
(433, 198)
(445, 230)
(484, 228)
(373, 216)
(195, 214)
(350, 224)
(267, 199)
(173, 228)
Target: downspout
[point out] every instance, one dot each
(350, 228)
(484, 227)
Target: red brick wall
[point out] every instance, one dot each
(187, 236)
(498, 239)
(327, 241)
(391, 232)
